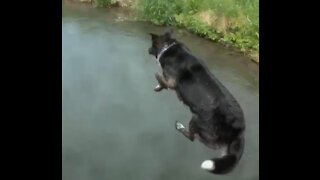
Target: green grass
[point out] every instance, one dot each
(104, 3)
(234, 22)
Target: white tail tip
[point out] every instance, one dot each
(207, 165)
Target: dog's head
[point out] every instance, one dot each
(159, 41)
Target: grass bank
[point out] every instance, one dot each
(230, 22)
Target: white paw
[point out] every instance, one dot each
(207, 165)
(179, 126)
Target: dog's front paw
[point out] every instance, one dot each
(160, 80)
(179, 126)
(158, 88)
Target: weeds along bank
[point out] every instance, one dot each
(230, 22)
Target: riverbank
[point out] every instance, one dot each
(234, 23)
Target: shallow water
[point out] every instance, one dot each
(114, 126)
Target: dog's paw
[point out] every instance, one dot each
(158, 88)
(179, 126)
(159, 78)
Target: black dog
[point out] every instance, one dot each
(218, 120)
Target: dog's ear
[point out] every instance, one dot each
(168, 33)
(154, 36)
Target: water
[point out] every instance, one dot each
(115, 127)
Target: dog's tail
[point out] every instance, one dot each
(228, 161)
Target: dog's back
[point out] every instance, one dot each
(220, 120)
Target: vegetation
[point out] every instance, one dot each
(104, 3)
(231, 22)
(234, 22)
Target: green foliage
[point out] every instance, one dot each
(242, 32)
(104, 3)
(160, 12)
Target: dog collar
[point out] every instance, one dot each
(164, 49)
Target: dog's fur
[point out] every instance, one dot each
(217, 120)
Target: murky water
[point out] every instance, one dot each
(116, 127)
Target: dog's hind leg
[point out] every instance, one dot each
(188, 134)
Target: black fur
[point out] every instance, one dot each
(218, 120)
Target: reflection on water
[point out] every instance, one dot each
(116, 127)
